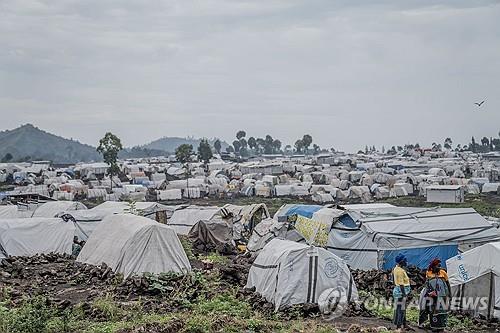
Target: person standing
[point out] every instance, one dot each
(436, 293)
(400, 292)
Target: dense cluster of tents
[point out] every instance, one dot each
(304, 253)
(322, 178)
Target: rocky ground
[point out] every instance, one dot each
(67, 285)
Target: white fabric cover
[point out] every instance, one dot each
(284, 273)
(8, 212)
(29, 236)
(53, 208)
(173, 194)
(131, 244)
(184, 218)
(470, 274)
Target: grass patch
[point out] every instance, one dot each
(215, 258)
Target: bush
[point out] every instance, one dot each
(32, 317)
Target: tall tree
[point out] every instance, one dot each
(299, 145)
(485, 141)
(252, 143)
(109, 146)
(204, 152)
(268, 144)
(240, 134)
(183, 154)
(217, 146)
(276, 146)
(244, 143)
(307, 141)
(447, 143)
(237, 146)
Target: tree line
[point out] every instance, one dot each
(484, 145)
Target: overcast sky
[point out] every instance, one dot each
(348, 72)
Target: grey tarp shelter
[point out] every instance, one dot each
(30, 236)
(131, 244)
(53, 208)
(475, 274)
(88, 219)
(288, 273)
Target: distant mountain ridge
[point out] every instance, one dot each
(169, 144)
(29, 143)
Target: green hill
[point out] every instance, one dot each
(31, 143)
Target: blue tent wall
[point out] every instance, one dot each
(421, 257)
(303, 210)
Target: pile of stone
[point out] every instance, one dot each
(380, 281)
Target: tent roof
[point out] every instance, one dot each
(51, 209)
(474, 263)
(431, 224)
(134, 244)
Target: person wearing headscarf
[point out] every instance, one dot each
(401, 291)
(434, 297)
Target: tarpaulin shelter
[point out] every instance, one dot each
(87, 220)
(53, 208)
(8, 211)
(370, 238)
(131, 244)
(288, 273)
(30, 236)
(215, 234)
(185, 217)
(475, 274)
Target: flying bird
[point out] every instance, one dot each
(479, 104)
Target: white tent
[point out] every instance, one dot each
(87, 220)
(29, 236)
(476, 273)
(288, 273)
(8, 212)
(370, 237)
(53, 208)
(184, 218)
(131, 244)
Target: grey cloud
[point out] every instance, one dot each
(348, 72)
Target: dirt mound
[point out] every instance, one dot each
(380, 282)
(56, 276)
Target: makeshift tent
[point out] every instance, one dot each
(288, 273)
(475, 274)
(185, 217)
(266, 231)
(9, 212)
(29, 236)
(213, 235)
(131, 244)
(53, 208)
(245, 218)
(370, 238)
(87, 220)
